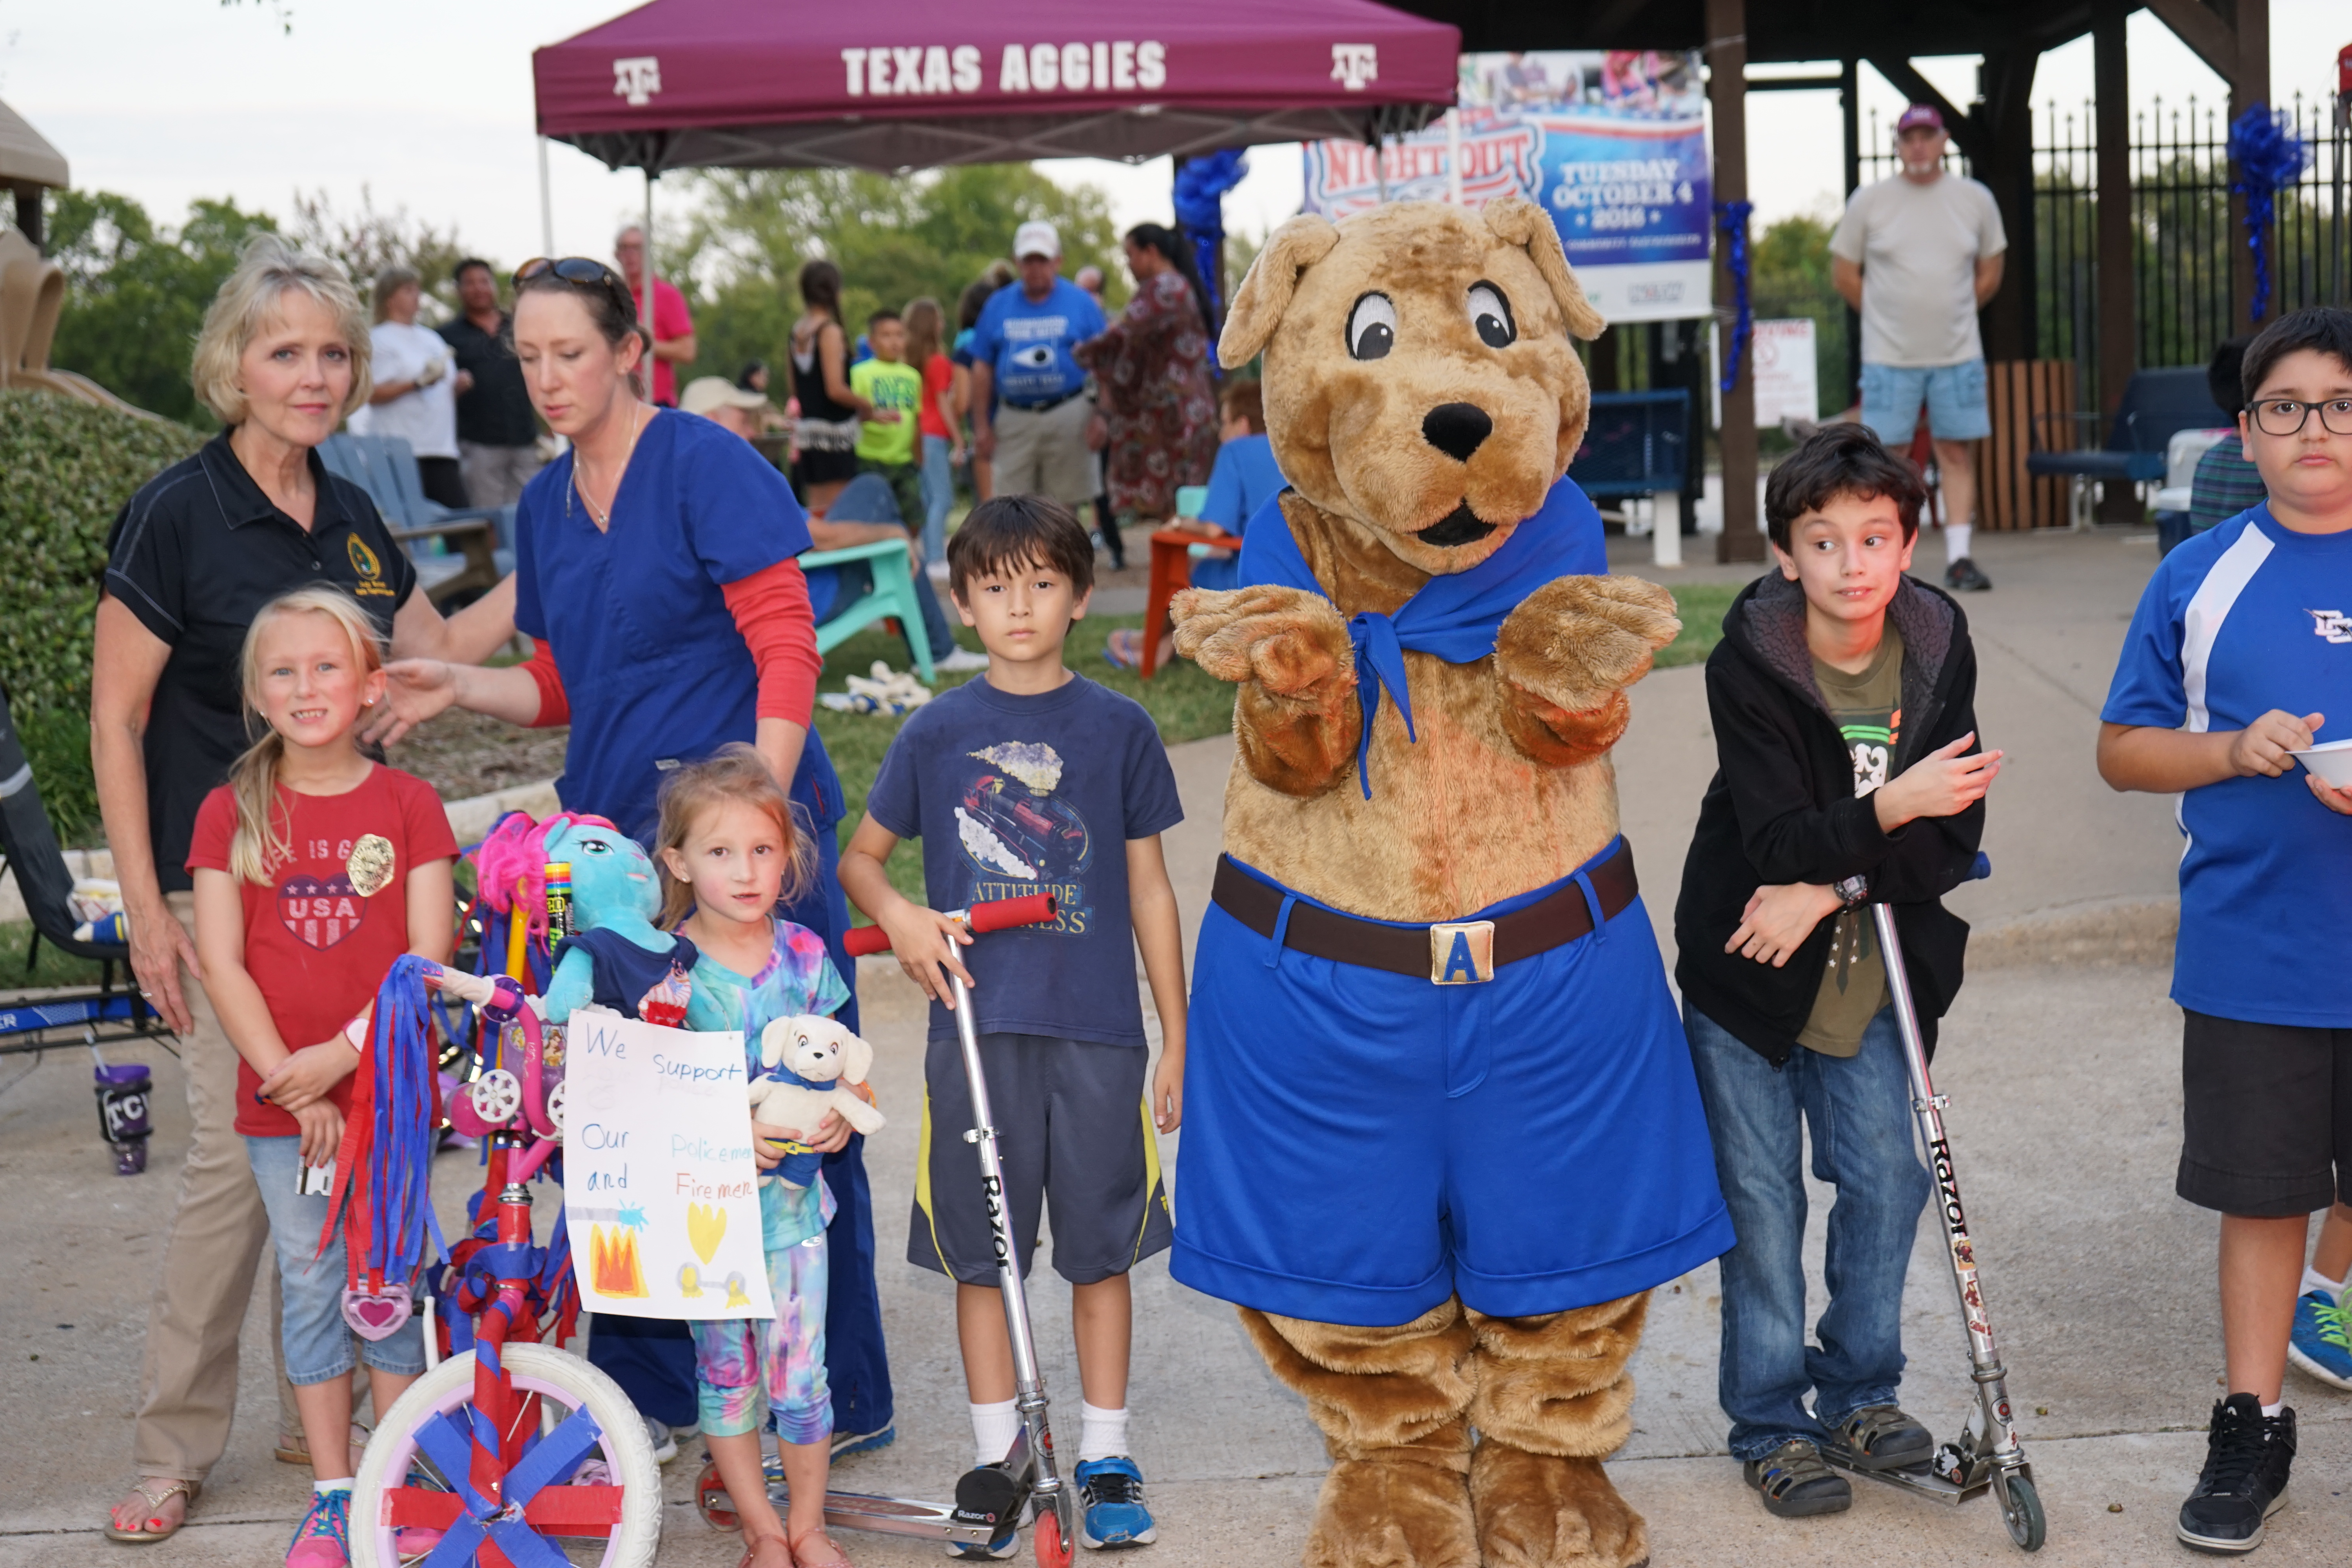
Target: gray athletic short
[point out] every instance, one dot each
(1072, 1132)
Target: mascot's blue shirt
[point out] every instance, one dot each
(1455, 618)
(652, 663)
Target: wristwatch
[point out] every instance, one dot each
(1851, 890)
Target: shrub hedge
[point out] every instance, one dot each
(65, 468)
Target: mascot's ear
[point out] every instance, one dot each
(856, 1056)
(1516, 221)
(773, 1039)
(1264, 294)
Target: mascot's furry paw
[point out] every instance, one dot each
(1536, 1511)
(1567, 654)
(1287, 640)
(1396, 1508)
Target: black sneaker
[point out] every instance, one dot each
(1881, 1437)
(1796, 1483)
(2247, 1456)
(1963, 576)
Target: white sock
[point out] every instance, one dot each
(1958, 537)
(992, 1428)
(328, 1488)
(1102, 1434)
(2313, 1279)
(2270, 1412)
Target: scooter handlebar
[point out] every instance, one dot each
(999, 914)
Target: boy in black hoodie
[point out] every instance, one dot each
(1842, 696)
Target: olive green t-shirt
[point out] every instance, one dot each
(1867, 709)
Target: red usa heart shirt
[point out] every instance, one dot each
(319, 938)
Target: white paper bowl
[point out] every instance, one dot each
(2332, 762)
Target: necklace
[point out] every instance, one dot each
(580, 480)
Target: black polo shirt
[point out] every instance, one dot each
(497, 411)
(196, 555)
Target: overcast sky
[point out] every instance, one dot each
(428, 104)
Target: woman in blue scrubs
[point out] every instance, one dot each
(655, 575)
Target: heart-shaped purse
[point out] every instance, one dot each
(377, 1314)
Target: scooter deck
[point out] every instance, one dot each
(852, 1511)
(1920, 1480)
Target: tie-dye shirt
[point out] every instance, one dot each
(797, 978)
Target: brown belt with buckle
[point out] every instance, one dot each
(1446, 952)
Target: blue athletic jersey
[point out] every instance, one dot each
(2246, 617)
(1026, 343)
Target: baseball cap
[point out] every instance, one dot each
(1036, 238)
(1918, 115)
(706, 392)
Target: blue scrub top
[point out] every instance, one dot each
(652, 664)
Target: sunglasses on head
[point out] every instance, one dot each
(579, 270)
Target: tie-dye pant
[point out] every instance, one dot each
(746, 1368)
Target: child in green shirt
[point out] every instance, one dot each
(887, 446)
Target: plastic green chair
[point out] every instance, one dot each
(893, 594)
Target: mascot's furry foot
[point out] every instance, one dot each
(1536, 1511)
(1397, 1508)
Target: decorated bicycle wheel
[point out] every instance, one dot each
(584, 1489)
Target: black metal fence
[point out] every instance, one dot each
(2183, 241)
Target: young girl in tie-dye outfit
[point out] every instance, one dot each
(727, 851)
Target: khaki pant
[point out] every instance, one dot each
(495, 475)
(1046, 454)
(219, 1237)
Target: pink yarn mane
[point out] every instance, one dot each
(514, 854)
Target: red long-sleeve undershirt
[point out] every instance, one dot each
(771, 611)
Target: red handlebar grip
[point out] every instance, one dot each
(1035, 909)
(863, 940)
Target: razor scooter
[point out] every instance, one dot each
(1988, 1454)
(989, 1499)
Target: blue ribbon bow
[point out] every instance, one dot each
(1455, 618)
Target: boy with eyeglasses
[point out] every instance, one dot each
(2240, 655)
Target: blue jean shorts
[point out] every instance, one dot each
(1954, 395)
(317, 1342)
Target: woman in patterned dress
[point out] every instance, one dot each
(1152, 369)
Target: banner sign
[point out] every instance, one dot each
(660, 1193)
(1612, 144)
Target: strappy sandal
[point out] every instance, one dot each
(752, 1551)
(818, 1534)
(155, 1500)
(295, 1449)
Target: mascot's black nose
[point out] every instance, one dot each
(1456, 430)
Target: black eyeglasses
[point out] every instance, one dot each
(583, 271)
(2286, 416)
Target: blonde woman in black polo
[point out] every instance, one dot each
(282, 360)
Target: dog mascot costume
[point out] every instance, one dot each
(1442, 1135)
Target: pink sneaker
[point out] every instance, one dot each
(323, 1538)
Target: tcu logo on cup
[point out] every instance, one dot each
(636, 79)
(1353, 64)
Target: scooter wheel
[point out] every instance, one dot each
(1053, 1551)
(2021, 1511)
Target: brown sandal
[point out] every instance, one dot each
(144, 1535)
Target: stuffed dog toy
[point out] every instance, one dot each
(1444, 1215)
(811, 1062)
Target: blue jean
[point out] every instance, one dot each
(1858, 1109)
(317, 1342)
(1954, 395)
(938, 494)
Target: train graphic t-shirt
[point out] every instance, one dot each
(1013, 795)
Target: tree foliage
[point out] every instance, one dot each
(368, 241)
(894, 239)
(1790, 277)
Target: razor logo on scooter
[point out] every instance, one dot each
(1947, 1183)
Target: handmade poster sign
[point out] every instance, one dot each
(660, 1192)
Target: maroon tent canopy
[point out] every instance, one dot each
(918, 83)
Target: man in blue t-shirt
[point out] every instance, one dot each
(2239, 660)
(1034, 779)
(1031, 416)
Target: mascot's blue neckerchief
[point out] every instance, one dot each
(1455, 618)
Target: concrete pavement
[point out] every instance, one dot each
(2059, 1058)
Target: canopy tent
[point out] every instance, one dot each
(921, 83)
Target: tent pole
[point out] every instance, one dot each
(546, 205)
(651, 342)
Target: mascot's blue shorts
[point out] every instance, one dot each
(1360, 1145)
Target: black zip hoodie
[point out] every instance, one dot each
(1782, 809)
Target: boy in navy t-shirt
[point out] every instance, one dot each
(1034, 779)
(2240, 655)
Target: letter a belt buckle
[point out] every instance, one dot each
(1461, 952)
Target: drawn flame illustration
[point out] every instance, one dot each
(705, 1224)
(614, 1270)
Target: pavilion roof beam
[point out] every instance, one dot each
(1907, 80)
(2213, 41)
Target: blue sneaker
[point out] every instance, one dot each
(2322, 1342)
(1110, 1496)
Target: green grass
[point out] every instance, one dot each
(50, 968)
(1701, 606)
(1184, 703)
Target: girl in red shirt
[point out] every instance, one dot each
(315, 868)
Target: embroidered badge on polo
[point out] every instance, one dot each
(320, 913)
